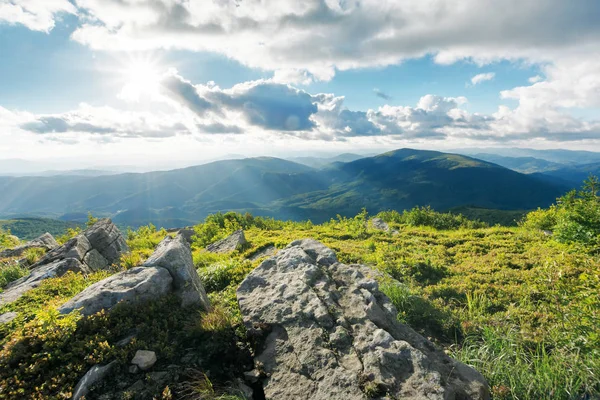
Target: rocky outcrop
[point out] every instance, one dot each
(169, 269)
(174, 255)
(324, 330)
(97, 248)
(45, 242)
(188, 233)
(380, 225)
(134, 286)
(8, 317)
(229, 244)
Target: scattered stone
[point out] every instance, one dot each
(380, 225)
(134, 286)
(8, 317)
(93, 376)
(134, 369)
(137, 387)
(174, 255)
(547, 233)
(334, 335)
(229, 244)
(126, 340)
(144, 359)
(45, 241)
(264, 252)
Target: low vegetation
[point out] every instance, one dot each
(521, 304)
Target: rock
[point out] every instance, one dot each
(45, 241)
(144, 359)
(328, 332)
(252, 376)
(8, 317)
(134, 286)
(105, 237)
(126, 340)
(58, 268)
(93, 376)
(158, 377)
(137, 387)
(380, 225)
(134, 369)
(174, 255)
(264, 252)
(229, 244)
(95, 249)
(239, 387)
(547, 233)
(188, 234)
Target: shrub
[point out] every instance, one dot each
(425, 216)
(10, 272)
(222, 274)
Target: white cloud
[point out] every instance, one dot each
(37, 15)
(479, 78)
(535, 79)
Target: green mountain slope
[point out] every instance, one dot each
(274, 187)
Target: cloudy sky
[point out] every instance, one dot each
(119, 81)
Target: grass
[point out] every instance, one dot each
(520, 306)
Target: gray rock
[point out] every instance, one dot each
(264, 252)
(45, 241)
(188, 234)
(95, 261)
(174, 255)
(328, 332)
(134, 286)
(96, 374)
(8, 317)
(229, 244)
(95, 249)
(134, 369)
(144, 359)
(380, 225)
(105, 237)
(55, 269)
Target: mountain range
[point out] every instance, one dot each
(280, 188)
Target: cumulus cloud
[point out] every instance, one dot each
(106, 121)
(479, 78)
(37, 15)
(535, 79)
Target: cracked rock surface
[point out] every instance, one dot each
(45, 241)
(96, 248)
(326, 331)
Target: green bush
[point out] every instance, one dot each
(219, 275)
(425, 216)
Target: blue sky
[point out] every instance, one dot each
(99, 80)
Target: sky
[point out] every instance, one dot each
(170, 82)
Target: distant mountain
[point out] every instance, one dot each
(404, 178)
(280, 188)
(526, 165)
(319, 162)
(572, 176)
(559, 156)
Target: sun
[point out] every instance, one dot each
(142, 79)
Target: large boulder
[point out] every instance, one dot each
(96, 248)
(134, 286)
(174, 255)
(324, 330)
(229, 244)
(45, 242)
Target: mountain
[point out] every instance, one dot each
(559, 156)
(284, 189)
(526, 165)
(319, 162)
(572, 175)
(405, 178)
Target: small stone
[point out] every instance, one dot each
(229, 244)
(158, 377)
(246, 391)
(252, 376)
(144, 359)
(138, 386)
(134, 369)
(126, 340)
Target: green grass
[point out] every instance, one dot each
(520, 306)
